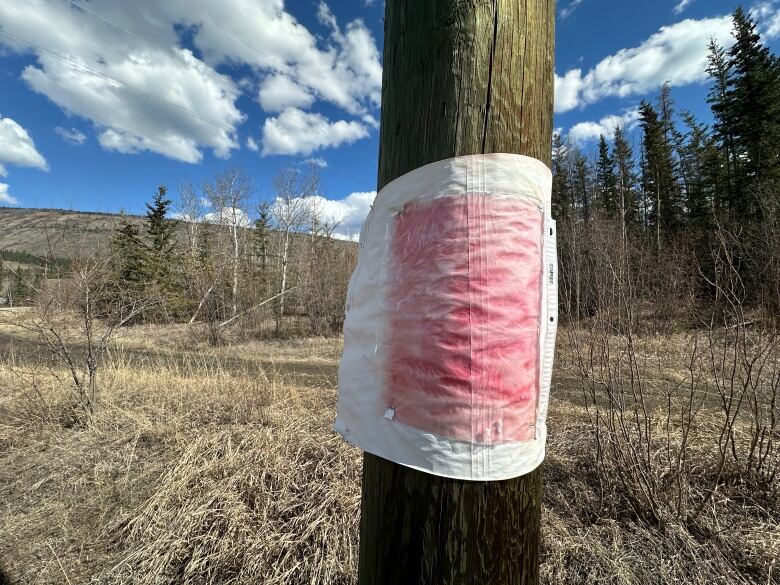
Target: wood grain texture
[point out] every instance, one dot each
(460, 77)
(465, 77)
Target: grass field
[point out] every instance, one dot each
(219, 465)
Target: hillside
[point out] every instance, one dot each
(65, 233)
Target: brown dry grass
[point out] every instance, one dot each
(197, 469)
(591, 534)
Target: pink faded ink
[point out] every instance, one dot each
(465, 304)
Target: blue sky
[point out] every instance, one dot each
(99, 104)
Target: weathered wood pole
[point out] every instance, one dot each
(460, 77)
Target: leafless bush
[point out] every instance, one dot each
(681, 436)
(292, 212)
(76, 318)
(228, 195)
(283, 266)
(323, 285)
(745, 367)
(668, 448)
(639, 287)
(641, 436)
(744, 361)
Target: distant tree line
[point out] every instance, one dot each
(18, 284)
(210, 264)
(686, 205)
(53, 209)
(34, 260)
(21, 273)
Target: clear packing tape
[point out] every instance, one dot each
(451, 319)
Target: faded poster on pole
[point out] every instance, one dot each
(451, 319)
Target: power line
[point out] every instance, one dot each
(105, 76)
(274, 60)
(106, 20)
(88, 69)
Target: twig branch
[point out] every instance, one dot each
(256, 306)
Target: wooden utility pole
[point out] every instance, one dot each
(460, 77)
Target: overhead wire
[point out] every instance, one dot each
(92, 71)
(106, 20)
(271, 59)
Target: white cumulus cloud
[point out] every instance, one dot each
(587, 131)
(297, 132)
(228, 216)
(567, 90)
(682, 5)
(676, 53)
(17, 147)
(316, 162)
(343, 68)
(279, 92)
(129, 72)
(5, 196)
(194, 107)
(768, 15)
(567, 10)
(347, 214)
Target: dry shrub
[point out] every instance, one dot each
(592, 535)
(596, 273)
(272, 505)
(681, 435)
(30, 399)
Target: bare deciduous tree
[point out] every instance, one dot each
(229, 196)
(291, 213)
(190, 208)
(77, 317)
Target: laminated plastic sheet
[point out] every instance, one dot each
(451, 318)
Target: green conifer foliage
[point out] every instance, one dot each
(606, 181)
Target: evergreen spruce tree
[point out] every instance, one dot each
(675, 207)
(163, 268)
(161, 233)
(606, 181)
(36, 279)
(20, 286)
(625, 181)
(582, 185)
(130, 258)
(659, 183)
(722, 106)
(260, 234)
(562, 206)
(701, 166)
(754, 98)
